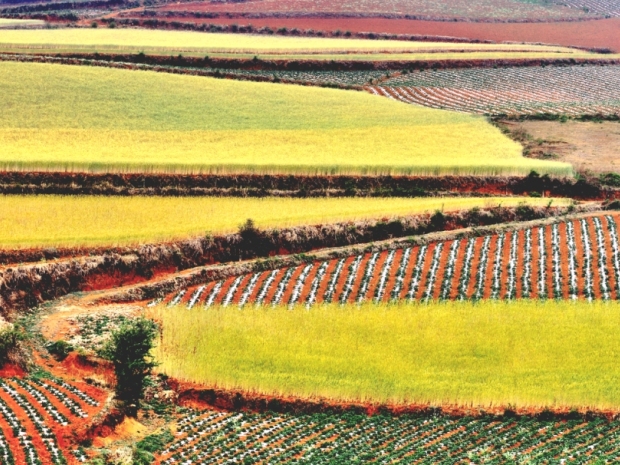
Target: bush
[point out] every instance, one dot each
(10, 338)
(129, 351)
(59, 349)
(610, 179)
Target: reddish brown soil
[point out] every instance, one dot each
(10, 371)
(441, 269)
(564, 263)
(359, 274)
(342, 279)
(475, 263)
(579, 259)
(392, 275)
(596, 272)
(274, 285)
(489, 269)
(535, 268)
(323, 287)
(520, 262)
(374, 282)
(428, 262)
(291, 285)
(200, 396)
(604, 33)
(613, 292)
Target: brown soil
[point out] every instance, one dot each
(588, 146)
(57, 325)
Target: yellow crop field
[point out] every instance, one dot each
(12, 23)
(47, 220)
(57, 117)
(523, 353)
(186, 42)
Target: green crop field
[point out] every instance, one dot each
(59, 117)
(524, 353)
(31, 221)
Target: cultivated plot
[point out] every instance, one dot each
(573, 260)
(95, 119)
(37, 415)
(571, 91)
(558, 355)
(154, 41)
(477, 9)
(335, 439)
(42, 221)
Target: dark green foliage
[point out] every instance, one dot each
(438, 221)
(150, 445)
(610, 179)
(129, 351)
(59, 349)
(10, 338)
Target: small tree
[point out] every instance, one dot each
(129, 351)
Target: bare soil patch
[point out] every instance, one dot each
(588, 146)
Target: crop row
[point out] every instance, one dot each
(601, 7)
(479, 9)
(571, 260)
(35, 416)
(572, 90)
(218, 437)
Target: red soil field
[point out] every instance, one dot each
(604, 33)
(506, 275)
(501, 10)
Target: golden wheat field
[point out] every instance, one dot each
(59, 117)
(184, 41)
(524, 353)
(31, 221)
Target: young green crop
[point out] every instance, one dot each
(47, 220)
(523, 353)
(67, 118)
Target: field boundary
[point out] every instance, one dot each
(160, 287)
(128, 184)
(26, 285)
(180, 64)
(193, 395)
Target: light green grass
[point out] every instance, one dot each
(523, 353)
(58, 117)
(43, 221)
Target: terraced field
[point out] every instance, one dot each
(144, 121)
(572, 91)
(571, 260)
(65, 221)
(477, 9)
(332, 439)
(38, 414)
(18, 23)
(263, 46)
(608, 8)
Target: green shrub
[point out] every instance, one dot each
(10, 338)
(129, 351)
(59, 349)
